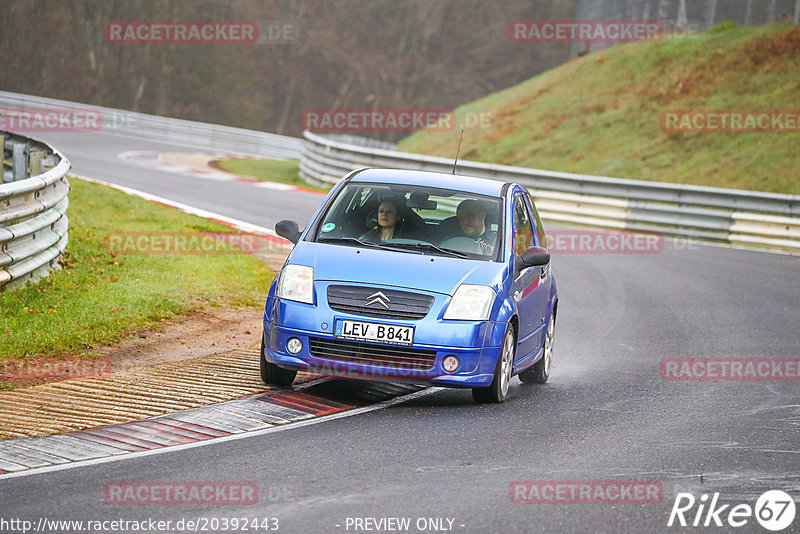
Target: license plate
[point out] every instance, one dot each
(375, 332)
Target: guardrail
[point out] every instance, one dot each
(199, 135)
(686, 211)
(33, 210)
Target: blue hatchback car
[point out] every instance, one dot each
(407, 275)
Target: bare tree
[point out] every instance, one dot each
(748, 13)
(771, 11)
(663, 14)
(682, 22)
(711, 13)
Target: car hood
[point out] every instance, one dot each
(440, 274)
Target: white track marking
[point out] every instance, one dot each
(232, 437)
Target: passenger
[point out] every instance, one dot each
(471, 216)
(390, 221)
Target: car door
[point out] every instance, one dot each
(545, 271)
(528, 289)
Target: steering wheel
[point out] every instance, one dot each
(463, 244)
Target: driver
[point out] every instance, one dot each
(471, 216)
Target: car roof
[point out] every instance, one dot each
(459, 182)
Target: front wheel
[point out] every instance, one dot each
(502, 372)
(273, 375)
(540, 371)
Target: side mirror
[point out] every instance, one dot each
(288, 229)
(535, 256)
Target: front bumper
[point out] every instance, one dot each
(475, 344)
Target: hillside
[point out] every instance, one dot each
(601, 114)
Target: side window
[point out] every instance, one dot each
(523, 236)
(539, 226)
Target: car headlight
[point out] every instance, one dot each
(470, 303)
(297, 283)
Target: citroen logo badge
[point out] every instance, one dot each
(379, 298)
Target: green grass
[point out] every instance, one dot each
(99, 295)
(600, 114)
(269, 170)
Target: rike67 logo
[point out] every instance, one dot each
(774, 510)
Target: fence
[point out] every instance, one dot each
(33, 210)
(199, 135)
(725, 215)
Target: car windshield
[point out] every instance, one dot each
(414, 219)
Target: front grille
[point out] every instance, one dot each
(358, 301)
(369, 354)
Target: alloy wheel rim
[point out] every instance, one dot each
(505, 376)
(548, 350)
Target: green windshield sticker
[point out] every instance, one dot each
(328, 227)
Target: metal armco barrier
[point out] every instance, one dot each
(733, 216)
(33, 210)
(200, 135)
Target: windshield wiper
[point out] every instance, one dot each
(396, 246)
(384, 246)
(431, 246)
(349, 240)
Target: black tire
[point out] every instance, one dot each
(497, 392)
(272, 375)
(540, 371)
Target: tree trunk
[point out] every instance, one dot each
(683, 21)
(711, 13)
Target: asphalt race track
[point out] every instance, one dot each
(606, 414)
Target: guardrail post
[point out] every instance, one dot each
(36, 163)
(19, 160)
(3, 178)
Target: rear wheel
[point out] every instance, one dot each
(273, 375)
(540, 371)
(502, 372)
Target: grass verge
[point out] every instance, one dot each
(100, 294)
(269, 170)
